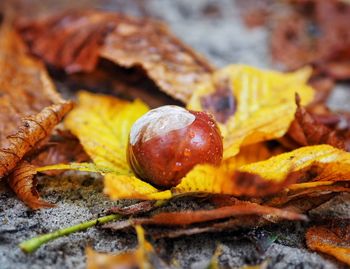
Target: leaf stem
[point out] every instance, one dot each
(33, 244)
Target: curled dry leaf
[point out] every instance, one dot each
(248, 103)
(75, 40)
(332, 240)
(306, 130)
(22, 183)
(29, 108)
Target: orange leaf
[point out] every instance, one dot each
(21, 181)
(333, 241)
(29, 110)
(305, 130)
(240, 208)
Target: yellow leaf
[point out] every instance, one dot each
(119, 187)
(265, 103)
(84, 167)
(278, 167)
(102, 124)
(307, 185)
(269, 176)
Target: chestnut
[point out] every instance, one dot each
(165, 143)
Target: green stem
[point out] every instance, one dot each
(33, 244)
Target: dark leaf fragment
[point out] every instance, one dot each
(306, 130)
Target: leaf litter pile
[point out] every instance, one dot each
(284, 151)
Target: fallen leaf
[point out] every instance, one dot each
(240, 208)
(21, 181)
(102, 124)
(258, 99)
(27, 116)
(240, 212)
(143, 257)
(270, 176)
(333, 241)
(77, 39)
(304, 159)
(305, 130)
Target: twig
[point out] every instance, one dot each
(33, 244)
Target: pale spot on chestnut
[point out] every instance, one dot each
(160, 121)
(167, 142)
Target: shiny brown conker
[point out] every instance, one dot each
(167, 142)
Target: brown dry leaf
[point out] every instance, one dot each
(240, 208)
(29, 106)
(240, 212)
(75, 40)
(305, 130)
(22, 182)
(333, 241)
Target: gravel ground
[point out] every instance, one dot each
(215, 29)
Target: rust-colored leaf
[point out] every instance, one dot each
(22, 182)
(333, 240)
(75, 40)
(238, 209)
(305, 130)
(234, 214)
(29, 110)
